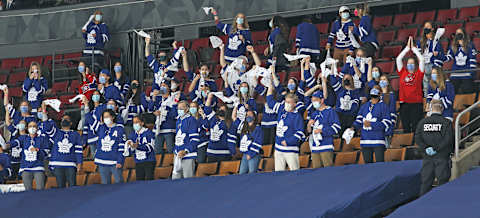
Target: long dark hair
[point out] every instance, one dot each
(136, 96)
(91, 105)
(281, 23)
(424, 40)
(466, 41)
(246, 129)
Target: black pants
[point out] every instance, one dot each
(212, 159)
(269, 135)
(346, 121)
(368, 154)
(65, 175)
(202, 154)
(411, 114)
(370, 49)
(431, 168)
(144, 170)
(15, 168)
(463, 86)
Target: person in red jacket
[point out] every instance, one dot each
(88, 83)
(410, 93)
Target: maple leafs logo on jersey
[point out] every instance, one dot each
(64, 146)
(90, 38)
(216, 133)
(341, 35)
(32, 94)
(140, 155)
(16, 151)
(30, 156)
(234, 42)
(180, 137)
(244, 143)
(241, 113)
(461, 59)
(370, 119)
(281, 128)
(346, 102)
(107, 144)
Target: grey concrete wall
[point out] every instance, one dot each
(464, 3)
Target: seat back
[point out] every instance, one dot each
(345, 158)
(206, 169)
(229, 167)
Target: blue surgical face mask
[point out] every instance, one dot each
(163, 90)
(110, 106)
(244, 90)
(345, 15)
(40, 115)
(98, 17)
(434, 77)
(180, 112)
(21, 126)
(249, 119)
(95, 98)
(243, 68)
(102, 80)
(117, 69)
(239, 20)
(383, 83)
(204, 94)
(136, 127)
(81, 69)
(316, 104)
(375, 74)
(24, 109)
(411, 67)
(193, 110)
(291, 86)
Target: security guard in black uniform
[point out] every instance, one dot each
(434, 136)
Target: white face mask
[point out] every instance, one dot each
(107, 120)
(32, 130)
(288, 107)
(35, 70)
(173, 86)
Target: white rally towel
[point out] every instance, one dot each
(207, 10)
(232, 99)
(348, 135)
(143, 34)
(76, 98)
(2, 143)
(332, 64)
(294, 57)
(54, 103)
(89, 20)
(438, 35)
(3, 87)
(216, 41)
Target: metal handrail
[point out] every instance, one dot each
(458, 129)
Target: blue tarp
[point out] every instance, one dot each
(459, 198)
(348, 191)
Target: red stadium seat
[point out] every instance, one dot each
(395, 84)
(293, 33)
(472, 27)
(423, 17)
(403, 34)
(74, 85)
(391, 51)
(3, 78)
(466, 13)
(447, 65)
(380, 22)
(17, 77)
(15, 91)
(385, 67)
(8, 64)
(219, 82)
(180, 74)
(401, 19)
(451, 29)
(323, 42)
(27, 61)
(323, 28)
(200, 43)
(47, 60)
(260, 48)
(385, 37)
(476, 42)
(60, 87)
(444, 44)
(296, 75)
(67, 58)
(258, 36)
(446, 15)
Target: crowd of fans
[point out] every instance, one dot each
(349, 94)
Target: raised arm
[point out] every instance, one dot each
(223, 62)
(147, 47)
(369, 72)
(186, 66)
(402, 54)
(5, 97)
(194, 83)
(421, 60)
(256, 59)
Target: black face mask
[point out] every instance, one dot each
(459, 36)
(347, 82)
(221, 113)
(374, 96)
(134, 86)
(162, 58)
(427, 31)
(65, 123)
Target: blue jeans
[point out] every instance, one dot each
(65, 175)
(249, 166)
(106, 174)
(93, 149)
(164, 138)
